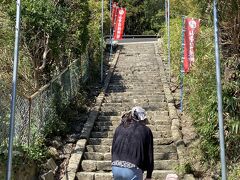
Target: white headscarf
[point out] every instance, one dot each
(138, 113)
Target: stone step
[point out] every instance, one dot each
(113, 109)
(127, 100)
(140, 74)
(157, 148)
(135, 86)
(156, 175)
(149, 112)
(133, 96)
(136, 76)
(133, 103)
(141, 88)
(126, 81)
(107, 156)
(158, 115)
(139, 84)
(129, 72)
(135, 83)
(139, 92)
(116, 122)
(92, 165)
(148, 106)
(108, 141)
(159, 127)
(109, 134)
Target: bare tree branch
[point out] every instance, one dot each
(46, 50)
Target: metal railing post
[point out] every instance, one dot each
(219, 92)
(14, 92)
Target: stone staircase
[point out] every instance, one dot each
(136, 81)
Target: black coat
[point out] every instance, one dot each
(134, 144)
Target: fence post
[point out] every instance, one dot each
(29, 119)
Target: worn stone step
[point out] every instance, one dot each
(116, 122)
(133, 78)
(149, 111)
(162, 115)
(135, 81)
(135, 86)
(151, 117)
(107, 156)
(134, 102)
(116, 110)
(109, 134)
(133, 96)
(156, 175)
(126, 100)
(130, 94)
(138, 92)
(93, 165)
(159, 127)
(139, 79)
(126, 107)
(129, 72)
(140, 75)
(110, 98)
(157, 148)
(143, 88)
(108, 141)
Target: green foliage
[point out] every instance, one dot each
(25, 158)
(143, 16)
(200, 99)
(24, 154)
(184, 168)
(53, 34)
(235, 172)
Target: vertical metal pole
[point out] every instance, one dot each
(110, 30)
(14, 87)
(169, 61)
(110, 9)
(102, 43)
(219, 92)
(181, 68)
(166, 16)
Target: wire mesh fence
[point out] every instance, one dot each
(31, 114)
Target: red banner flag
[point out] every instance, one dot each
(120, 22)
(190, 36)
(114, 11)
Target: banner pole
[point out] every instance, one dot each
(114, 21)
(102, 43)
(14, 91)
(166, 20)
(110, 9)
(110, 37)
(169, 61)
(219, 92)
(181, 64)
